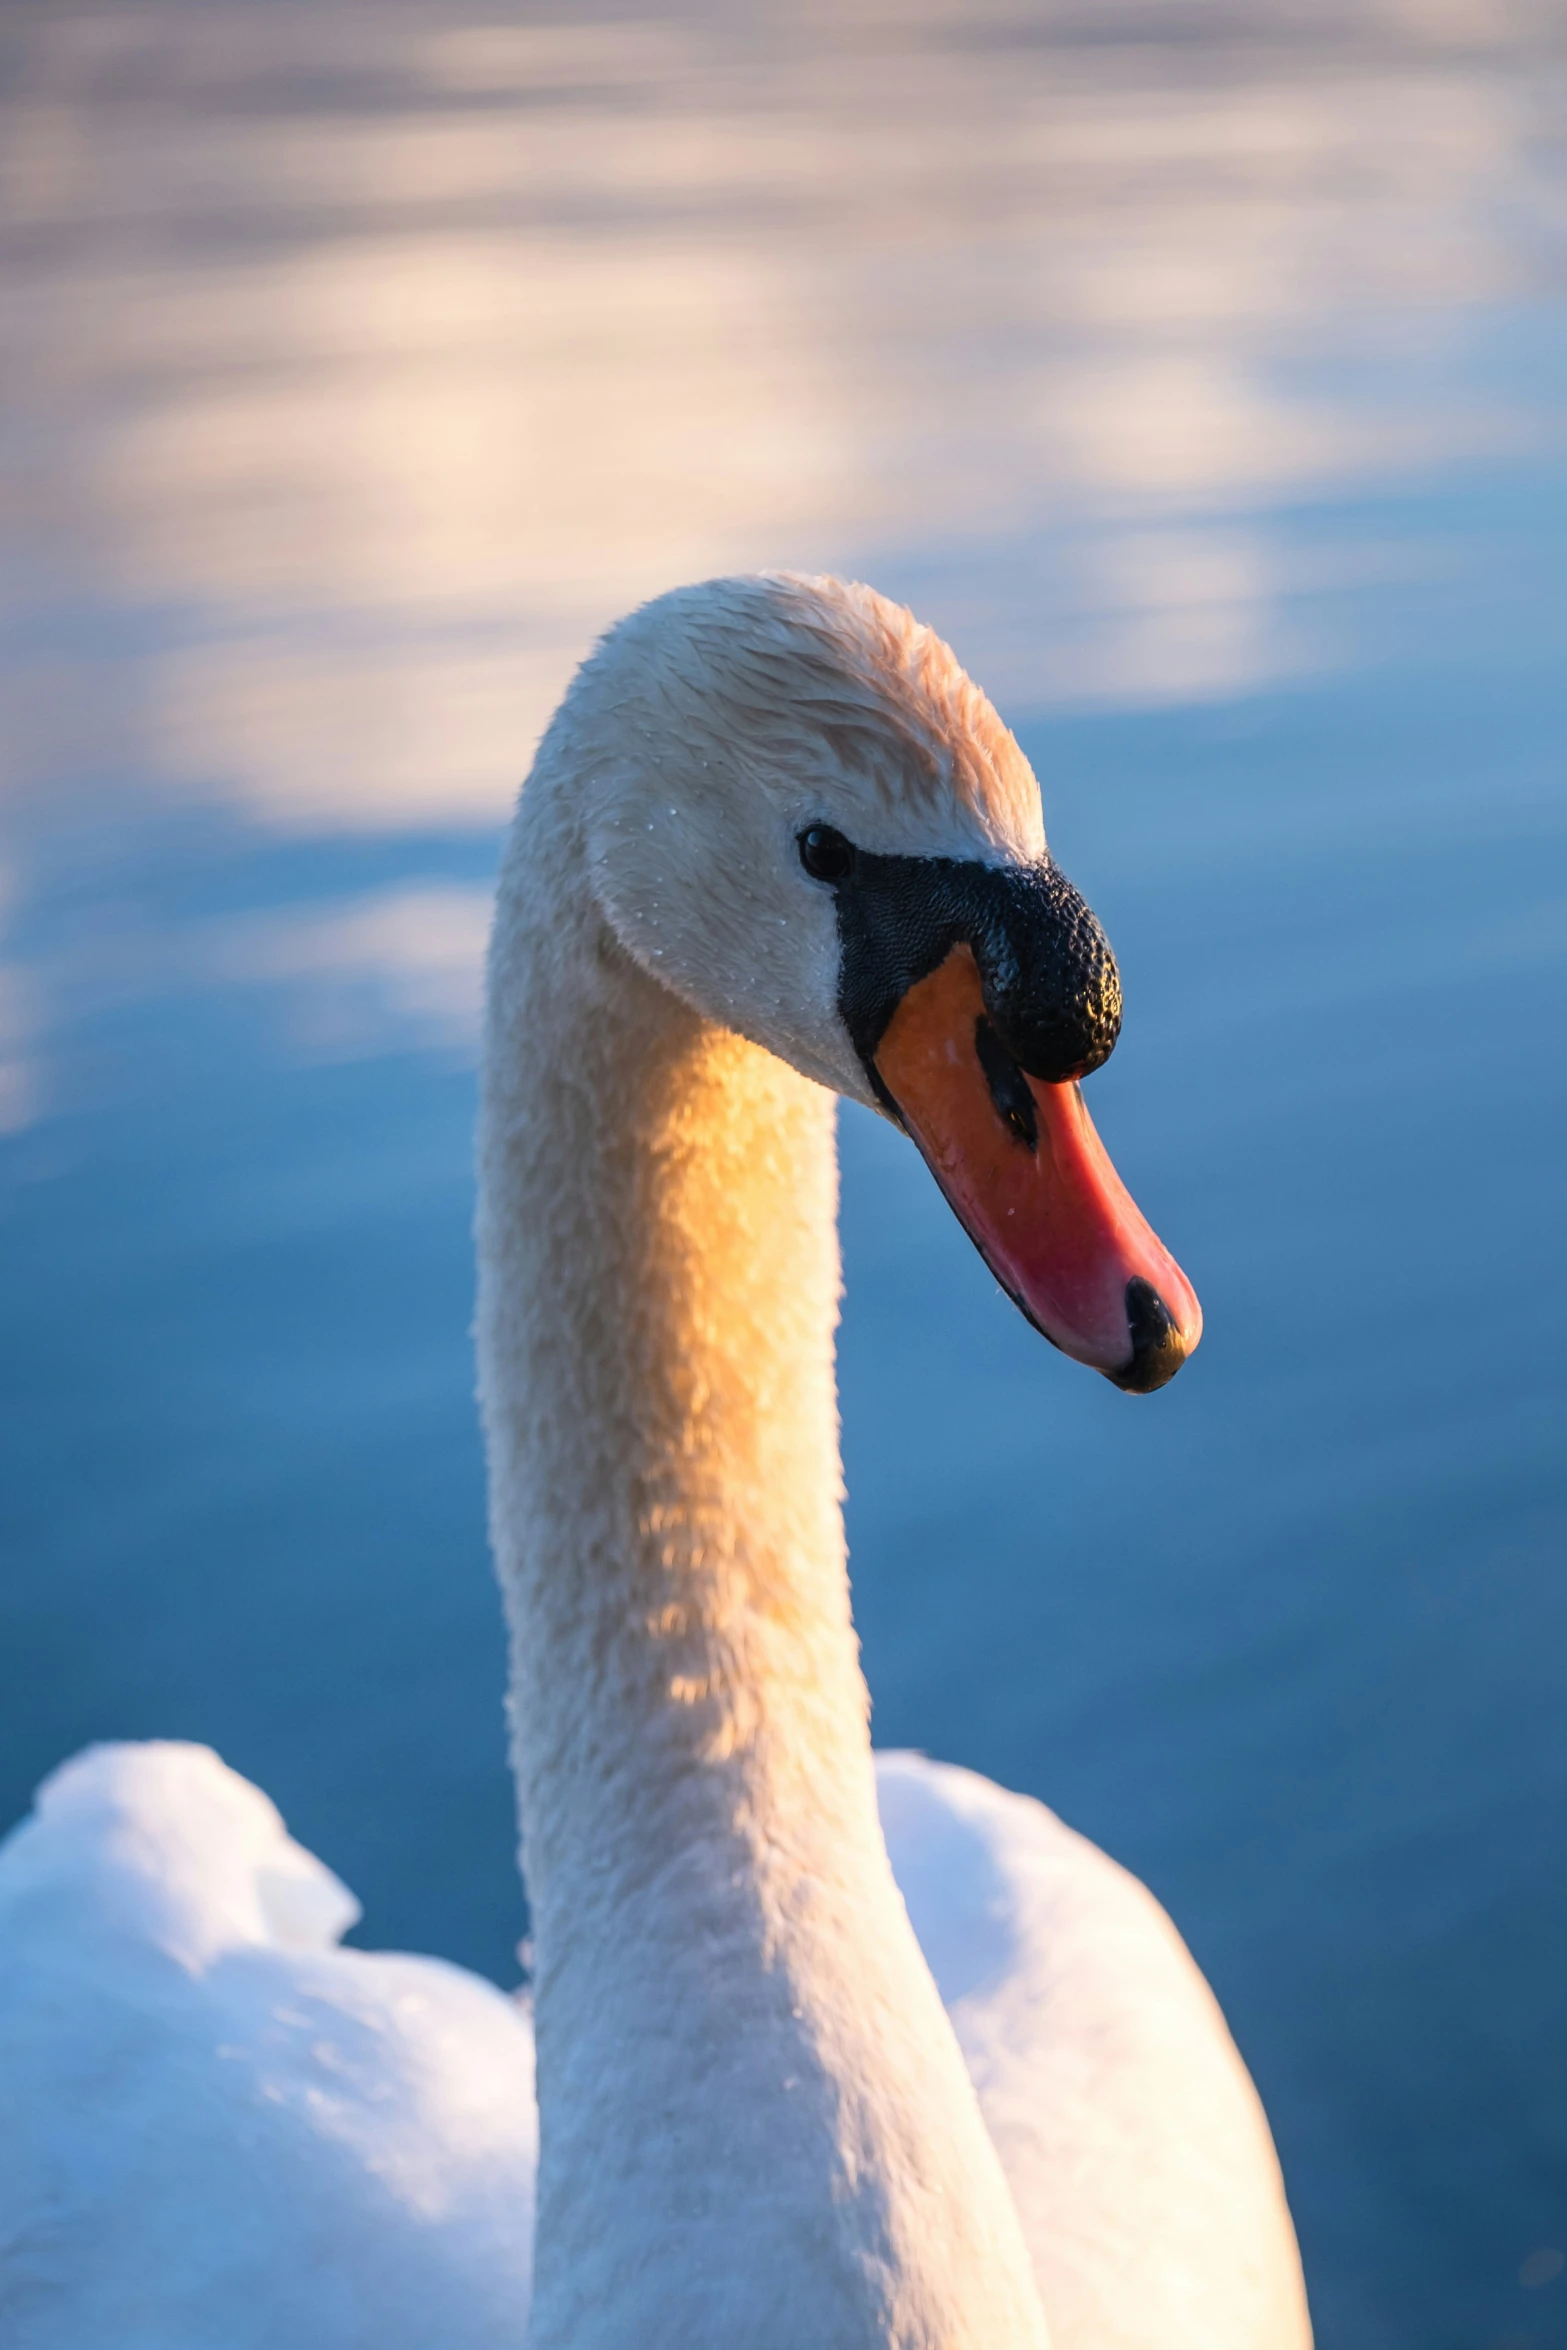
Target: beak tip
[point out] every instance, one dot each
(1159, 1345)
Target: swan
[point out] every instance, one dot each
(821, 2049)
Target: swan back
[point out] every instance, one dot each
(219, 2127)
(1132, 2138)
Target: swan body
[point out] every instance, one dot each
(775, 846)
(219, 2126)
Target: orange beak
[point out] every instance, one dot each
(1033, 1186)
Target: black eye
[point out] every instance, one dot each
(825, 854)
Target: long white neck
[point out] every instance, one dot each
(756, 2127)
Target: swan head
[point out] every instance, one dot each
(803, 817)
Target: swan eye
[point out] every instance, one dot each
(825, 854)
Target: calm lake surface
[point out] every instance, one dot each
(1202, 374)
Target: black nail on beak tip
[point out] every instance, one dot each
(1158, 1349)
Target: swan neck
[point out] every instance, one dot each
(659, 1287)
(742, 2058)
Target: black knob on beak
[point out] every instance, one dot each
(1051, 983)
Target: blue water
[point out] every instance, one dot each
(1276, 595)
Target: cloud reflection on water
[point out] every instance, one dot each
(369, 364)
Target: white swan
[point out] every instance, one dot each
(775, 845)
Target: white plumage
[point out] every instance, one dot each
(217, 2127)
(221, 2128)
